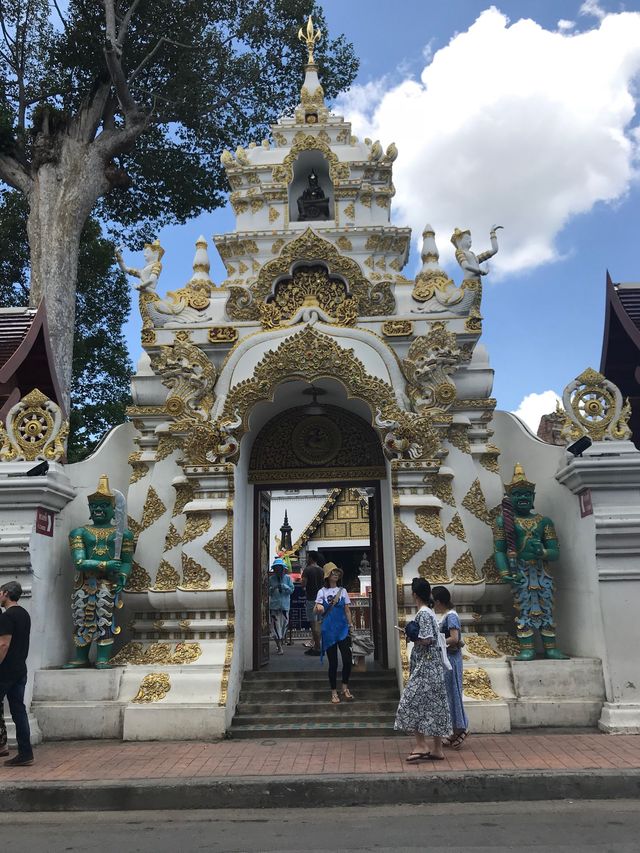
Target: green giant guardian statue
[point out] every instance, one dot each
(102, 555)
(524, 543)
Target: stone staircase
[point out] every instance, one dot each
(296, 704)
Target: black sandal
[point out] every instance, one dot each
(457, 740)
(414, 757)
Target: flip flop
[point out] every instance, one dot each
(414, 757)
(430, 757)
(335, 700)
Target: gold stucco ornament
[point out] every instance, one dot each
(34, 430)
(594, 406)
(154, 687)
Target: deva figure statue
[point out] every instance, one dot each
(102, 555)
(524, 543)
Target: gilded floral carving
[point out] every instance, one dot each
(185, 492)
(376, 300)
(198, 523)
(475, 502)
(407, 544)
(428, 518)
(464, 569)
(442, 488)
(456, 528)
(479, 646)
(167, 443)
(476, 684)
(434, 568)
(139, 580)
(154, 687)
(167, 578)
(153, 509)
(194, 576)
(397, 328)
(508, 645)
(190, 376)
(220, 547)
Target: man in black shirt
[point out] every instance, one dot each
(312, 579)
(15, 627)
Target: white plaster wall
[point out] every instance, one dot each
(577, 601)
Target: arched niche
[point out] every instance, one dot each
(333, 443)
(311, 160)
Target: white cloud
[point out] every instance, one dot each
(534, 406)
(565, 25)
(510, 124)
(593, 8)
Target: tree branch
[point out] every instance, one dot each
(153, 52)
(12, 173)
(60, 15)
(119, 79)
(124, 26)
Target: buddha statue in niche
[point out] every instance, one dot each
(313, 204)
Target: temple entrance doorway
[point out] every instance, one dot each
(342, 523)
(317, 486)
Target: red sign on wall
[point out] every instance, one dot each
(586, 506)
(44, 521)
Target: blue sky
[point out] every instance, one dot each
(529, 124)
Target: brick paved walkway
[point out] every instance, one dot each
(111, 760)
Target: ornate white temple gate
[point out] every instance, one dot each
(315, 296)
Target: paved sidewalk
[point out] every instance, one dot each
(94, 760)
(263, 773)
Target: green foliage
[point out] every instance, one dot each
(14, 250)
(209, 76)
(101, 366)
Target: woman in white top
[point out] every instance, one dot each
(332, 603)
(424, 709)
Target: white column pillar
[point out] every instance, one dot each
(608, 477)
(36, 559)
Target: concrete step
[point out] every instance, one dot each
(328, 718)
(284, 696)
(302, 709)
(319, 730)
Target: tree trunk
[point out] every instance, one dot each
(61, 198)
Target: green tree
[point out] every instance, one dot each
(121, 109)
(101, 366)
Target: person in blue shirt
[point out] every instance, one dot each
(450, 626)
(332, 603)
(280, 590)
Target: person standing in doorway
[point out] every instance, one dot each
(280, 590)
(312, 580)
(452, 630)
(15, 628)
(332, 603)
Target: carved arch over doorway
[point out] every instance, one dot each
(297, 447)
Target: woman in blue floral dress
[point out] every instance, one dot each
(452, 630)
(423, 708)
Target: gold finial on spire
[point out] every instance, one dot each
(309, 37)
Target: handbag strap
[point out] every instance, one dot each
(334, 600)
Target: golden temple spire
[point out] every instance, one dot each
(309, 37)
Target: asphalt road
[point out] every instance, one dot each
(554, 827)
